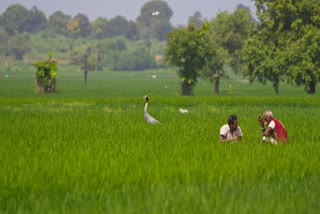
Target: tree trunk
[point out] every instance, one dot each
(216, 86)
(312, 87)
(85, 76)
(186, 88)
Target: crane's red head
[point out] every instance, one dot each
(147, 98)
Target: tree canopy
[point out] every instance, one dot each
(285, 45)
(189, 50)
(154, 20)
(228, 32)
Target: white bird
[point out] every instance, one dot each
(155, 13)
(183, 111)
(147, 117)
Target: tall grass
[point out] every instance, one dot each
(88, 149)
(98, 155)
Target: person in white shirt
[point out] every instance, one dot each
(231, 132)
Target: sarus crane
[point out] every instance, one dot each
(148, 117)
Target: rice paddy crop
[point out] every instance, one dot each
(96, 154)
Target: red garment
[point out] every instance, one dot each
(281, 133)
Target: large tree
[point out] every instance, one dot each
(17, 19)
(14, 19)
(36, 21)
(189, 50)
(120, 26)
(228, 33)
(19, 44)
(86, 58)
(98, 27)
(83, 24)
(154, 20)
(196, 19)
(58, 22)
(285, 45)
(3, 41)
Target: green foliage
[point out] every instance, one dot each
(44, 42)
(14, 19)
(261, 63)
(109, 50)
(87, 59)
(58, 23)
(228, 34)
(119, 26)
(17, 19)
(37, 20)
(19, 45)
(188, 49)
(285, 45)
(153, 10)
(120, 53)
(154, 20)
(98, 27)
(134, 60)
(4, 41)
(46, 74)
(231, 29)
(196, 19)
(159, 29)
(84, 24)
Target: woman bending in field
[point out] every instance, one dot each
(275, 131)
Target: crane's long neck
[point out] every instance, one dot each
(145, 107)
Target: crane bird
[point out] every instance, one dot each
(148, 117)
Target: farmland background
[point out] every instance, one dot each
(87, 148)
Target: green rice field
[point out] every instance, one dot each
(87, 148)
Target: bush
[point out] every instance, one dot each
(46, 74)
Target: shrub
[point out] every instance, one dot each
(46, 74)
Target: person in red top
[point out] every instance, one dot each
(275, 131)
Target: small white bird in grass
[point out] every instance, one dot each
(183, 111)
(147, 117)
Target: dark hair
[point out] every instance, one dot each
(231, 119)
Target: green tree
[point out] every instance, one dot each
(98, 27)
(132, 32)
(231, 30)
(214, 69)
(19, 44)
(36, 21)
(3, 41)
(154, 15)
(84, 24)
(119, 26)
(58, 22)
(74, 28)
(196, 19)
(187, 49)
(228, 34)
(14, 19)
(159, 29)
(137, 59)
(109, 50)
(46, 74)
(285, 46)
(86, 59)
